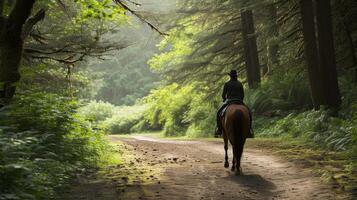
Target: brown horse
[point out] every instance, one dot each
(235, 129)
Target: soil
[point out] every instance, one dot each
(170, 169)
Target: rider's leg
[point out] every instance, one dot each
(218, 122)
(219, 128)
(251, 134)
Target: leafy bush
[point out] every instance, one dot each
(97, 111)
(201, 117)
(124, 119)
(168, 107)
(316, 127)
(181, 111)
(282, 91)
(115, 119)
(259, 101)
(43, 141)
(349, 95)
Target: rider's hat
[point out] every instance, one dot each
(233, 73)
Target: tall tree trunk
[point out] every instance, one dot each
(272, 46)
(352, 50)
(250, 49)
(311, 52)
(346, 22)
(327, 53)
(11, 46)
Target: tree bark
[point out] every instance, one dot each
(327, 53)
(11, 46)
(311, 52)
(250, 49)
(1, 7)
(352, 50)
(272, 46)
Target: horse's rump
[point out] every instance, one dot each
(236, 121)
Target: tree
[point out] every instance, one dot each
(307, 14)
(346, 28)
(327, 53)
(13, 32)
(66, 41)
(250, 49)
(272, 46)
(320, 52)
(207, 40)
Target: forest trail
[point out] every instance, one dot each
(170, 169)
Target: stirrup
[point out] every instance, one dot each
(217, 133)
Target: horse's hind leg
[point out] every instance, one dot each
(233, 160)
(226, 164)
(239, 155)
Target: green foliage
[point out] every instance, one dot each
(43, 141)
(259, 101)
(52, 79)
(124, 120)
(280, 92)
(180, 111)
(114, 119)
(201, 117)
(167, 108)
(349, 94)
(126, 80)
(315, 127)
(97, 112)
(100, 10)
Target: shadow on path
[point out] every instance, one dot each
(255, 183)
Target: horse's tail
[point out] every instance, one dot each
(238, 127)
(238, 136)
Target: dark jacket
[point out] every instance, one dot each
(233, 89)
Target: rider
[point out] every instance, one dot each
(233, 92)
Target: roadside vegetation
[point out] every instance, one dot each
(43, 143)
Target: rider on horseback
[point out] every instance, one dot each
(233, 93)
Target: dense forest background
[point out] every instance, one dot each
(91, 68)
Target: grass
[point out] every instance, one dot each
(120, 172)
(332, 167)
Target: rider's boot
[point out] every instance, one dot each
(217, 132)
(251, 133)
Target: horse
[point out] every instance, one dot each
(236, 123)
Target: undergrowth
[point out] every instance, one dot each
(316, 129)
(114, 119)
(43, 143)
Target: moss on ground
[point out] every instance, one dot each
(333, 167)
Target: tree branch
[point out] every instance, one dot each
(120, 3)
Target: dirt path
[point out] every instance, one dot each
(166, 169)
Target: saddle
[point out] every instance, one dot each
(230, 102)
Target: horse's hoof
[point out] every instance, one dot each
(232, 169)
(226, 165)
